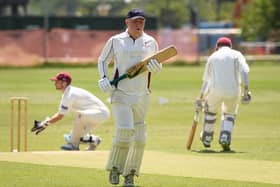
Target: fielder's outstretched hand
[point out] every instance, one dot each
(39, 126)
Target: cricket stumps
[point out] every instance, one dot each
(20, 117)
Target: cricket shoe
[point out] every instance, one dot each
(67, 138)
(114, 176)
(93, 145)
(225, 139)
(206, 138)
(85, 139)
(88, 138)
(69, 147)
(129, 179)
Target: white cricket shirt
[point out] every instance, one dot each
(125, 52)
(223, 70)
(78, 99)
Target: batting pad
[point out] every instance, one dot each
(227, 123)
(120, 148)
(136, 151)
(209, 121)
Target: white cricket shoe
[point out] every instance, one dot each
(129, 179)
(114, 176)
(69, 147)
(206, 138)
(85, 139)
(93, 145)
(67, 138)
(225, 139)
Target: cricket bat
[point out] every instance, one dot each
(193, 130)
(160, 56)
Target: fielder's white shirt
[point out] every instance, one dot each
(223, 70)
(77, 99)
(125, 52)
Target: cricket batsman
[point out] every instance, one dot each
(129, 97)
(90, 112)
(224, 71)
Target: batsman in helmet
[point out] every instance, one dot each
(225, 70)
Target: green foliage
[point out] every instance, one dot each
(170, 13)
(261, 21)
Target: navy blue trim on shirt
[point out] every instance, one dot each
(64, 107)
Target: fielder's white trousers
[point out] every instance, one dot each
(86, 121)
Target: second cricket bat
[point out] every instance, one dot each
(160, 56)
(193, 130)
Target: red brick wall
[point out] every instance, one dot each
(29, 47)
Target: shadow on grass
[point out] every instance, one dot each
(207, 151)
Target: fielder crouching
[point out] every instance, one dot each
(224, 71)
(90, 112)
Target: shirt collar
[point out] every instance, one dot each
(127, 34)
(67, 89)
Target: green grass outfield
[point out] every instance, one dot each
(254, 161)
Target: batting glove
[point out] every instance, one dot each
(154, 66)
(198, 104)
(246, 97)
(39, 126)
(105, 85)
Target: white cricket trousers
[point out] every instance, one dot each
(129, 110)
(228, 101)
(130, 132)
(86, 121)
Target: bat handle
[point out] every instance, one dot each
(116, 80)
(196, 114)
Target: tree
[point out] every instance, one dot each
(170, 13)
(260, 21)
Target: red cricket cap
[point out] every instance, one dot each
(224, 41)
(63, 76)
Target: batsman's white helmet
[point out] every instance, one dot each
(224, 41)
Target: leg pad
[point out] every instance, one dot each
(120, 148)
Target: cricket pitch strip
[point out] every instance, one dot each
(162, 163)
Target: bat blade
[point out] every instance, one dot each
(161, 56)
(193, 130)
